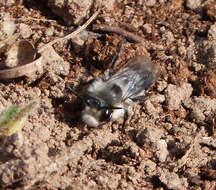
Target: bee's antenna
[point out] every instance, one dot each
(73, 91)
(83, 98)
(116, 57)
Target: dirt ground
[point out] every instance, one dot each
(169, 141)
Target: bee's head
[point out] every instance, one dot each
(96, 111)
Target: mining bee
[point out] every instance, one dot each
(109, 99)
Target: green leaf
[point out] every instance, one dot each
(13, 119)
(8, 114)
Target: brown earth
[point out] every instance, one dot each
(169, 141)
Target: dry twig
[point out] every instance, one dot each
(118, 30)
(34, 19)
(22, 70)
(71, 35)
(37, 64)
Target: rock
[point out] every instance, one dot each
(147, 28)
(175, 95)
(168, 37)
(25, 31)
(182, 50)
(197, 67)
(172, 180)
(102, 180)
(148, 166)
(162, 1)
(157, 98)
(7, 3)
(193, 4)
(162, 151)
(161, 85)
(212, 32)
(150, 3)
(50, 31)
(114, 181)
(125, 185)
(109, 5)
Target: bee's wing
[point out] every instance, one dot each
(135, 77)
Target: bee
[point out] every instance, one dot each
(109, 99)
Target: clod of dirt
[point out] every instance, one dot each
(57, 85)
(208, 56)
(175, 95)
(172, 180)
(211, 9)
(202, 108)
(78, 41)
(152, 137)
(152, 105)
(151, 109)
(148, 135)
(210, 83)
(54, 63)
(148, 166)
(71, 11)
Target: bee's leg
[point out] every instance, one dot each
(108, 73)
(116, 56)
(139, 99)
(126, 115)
(71, 90)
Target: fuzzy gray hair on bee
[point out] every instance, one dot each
(109, 99)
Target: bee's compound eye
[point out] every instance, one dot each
(93, 102)
(106, 115)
